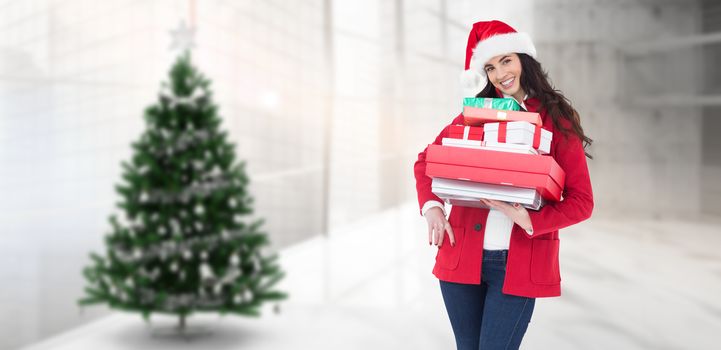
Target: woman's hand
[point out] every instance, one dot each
(437, 225)
(516, 212)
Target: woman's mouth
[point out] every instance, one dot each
(508, 83)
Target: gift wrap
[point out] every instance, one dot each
(503, 147)
(447, 141)
(508, 104)
(474, 116)
(468, 194)
(465, 132)
(520, 133)
(494, 167)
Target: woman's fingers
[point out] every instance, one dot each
(439, 233)
(433, 220)
(495, 204)
(517, 207)
(498, 205)
(436, 229)
(487, 202)
(451, 236)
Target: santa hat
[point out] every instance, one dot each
(487, 40)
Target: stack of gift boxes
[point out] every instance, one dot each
(499, 153)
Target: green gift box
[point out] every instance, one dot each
(506, 104)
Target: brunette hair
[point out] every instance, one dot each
(534, 82)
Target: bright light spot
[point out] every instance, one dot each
(269, 99)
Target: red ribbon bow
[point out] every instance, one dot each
(502, 127)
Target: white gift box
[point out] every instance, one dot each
(520, 133)
(509, 147)
(447, 141)
(495, 146)
(468, 194)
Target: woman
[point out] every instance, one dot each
(493, 263)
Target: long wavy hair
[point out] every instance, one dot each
(534, 81)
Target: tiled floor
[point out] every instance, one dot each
(626, 285)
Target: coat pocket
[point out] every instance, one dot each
(448, 256)
(544, 261)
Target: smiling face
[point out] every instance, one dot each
(504, 72)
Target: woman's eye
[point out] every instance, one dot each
(489, 69)
(506, 61)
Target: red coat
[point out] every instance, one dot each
(533, 267)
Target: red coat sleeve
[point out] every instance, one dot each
(423, 182)
(577, 203)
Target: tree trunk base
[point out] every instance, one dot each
(181, 331)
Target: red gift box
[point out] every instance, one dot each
(476, 116)
(495, 167)
(466, 132)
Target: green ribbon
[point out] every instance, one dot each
(506, 104)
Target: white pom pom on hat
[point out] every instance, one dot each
(487, 40)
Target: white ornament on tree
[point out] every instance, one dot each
(217, 171)
(199, 210)
(234, 260)
(206, 272)
(175, 226)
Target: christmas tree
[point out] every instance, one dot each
(186, 243)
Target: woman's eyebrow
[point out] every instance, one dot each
(499, 60)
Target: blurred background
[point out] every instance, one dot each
(329, 102)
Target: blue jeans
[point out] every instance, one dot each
(482, 317)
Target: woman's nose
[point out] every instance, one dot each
(499, 73)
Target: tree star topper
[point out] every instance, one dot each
(182, 37)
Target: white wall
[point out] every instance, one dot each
(647, 157)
